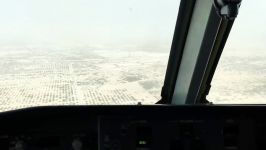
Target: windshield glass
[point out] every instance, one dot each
(240, 77)
(83, 52)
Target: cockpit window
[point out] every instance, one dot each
(84, 52)
(240, 77)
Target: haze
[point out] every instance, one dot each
(116, 24)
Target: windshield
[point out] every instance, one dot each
(83, 52)
(240, 77)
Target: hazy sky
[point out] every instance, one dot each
(249, 30)
(124, 24)
(101, 23)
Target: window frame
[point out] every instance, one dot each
(216, 32)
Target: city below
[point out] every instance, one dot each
(79, 77)
(41, 77)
